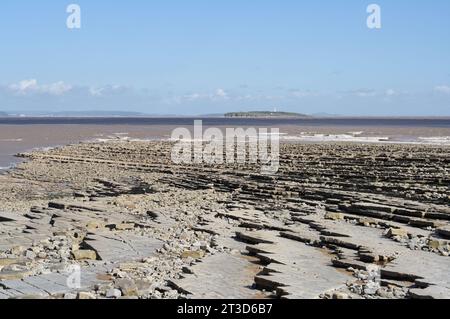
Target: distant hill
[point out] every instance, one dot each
(3, 114)
(326, 115)
(212, 115)
(265, 114)
(88, 114)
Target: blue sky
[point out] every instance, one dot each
(204, 56)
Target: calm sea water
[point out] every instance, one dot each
(25, 133)
(412, 122)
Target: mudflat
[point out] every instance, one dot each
(112, 219)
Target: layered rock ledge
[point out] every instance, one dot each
(337, 221)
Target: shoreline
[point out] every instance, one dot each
(284, 138)
(20, 138)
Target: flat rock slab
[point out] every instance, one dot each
(3, 295)
(7, 294)
(429, 269)
(52, 284)
(296, 270)
(432, 292)
(358, 236)
(257, 237)
(252, 218)
(48, 284)
(6, 217)
(221, 276)
(245, 215)
(122, 247)
(23, 288)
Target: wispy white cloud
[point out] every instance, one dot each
(363, 93)
(222, 95)
(31, 86)
(194, 96)
(218, 94)
(442, 89)
(391, 92)
(94, 91)
(368, 93)
(57, 88)
(302, 93)
(32, 94)
(107, 90)
(25, 86)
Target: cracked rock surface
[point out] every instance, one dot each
(118, 219)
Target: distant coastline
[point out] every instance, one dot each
(257, 115)
(361, 122)
(265, 114)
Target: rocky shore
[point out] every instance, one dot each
(118, 219)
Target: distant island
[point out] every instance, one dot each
(3, 114)
(266, 114)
